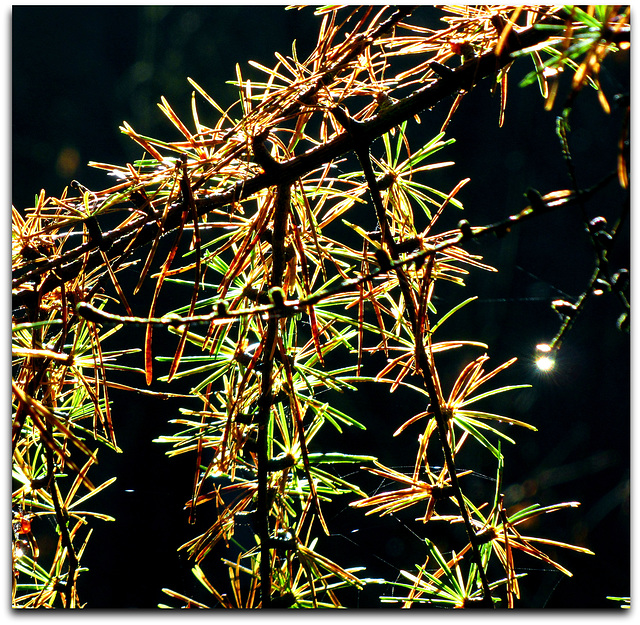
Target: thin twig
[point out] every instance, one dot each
(421, 358)
(281, 215)
(291, 307)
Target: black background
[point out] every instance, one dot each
(78, 72)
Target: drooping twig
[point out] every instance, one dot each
(280, 219)
(422, 360)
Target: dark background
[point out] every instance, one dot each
(78, 72)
